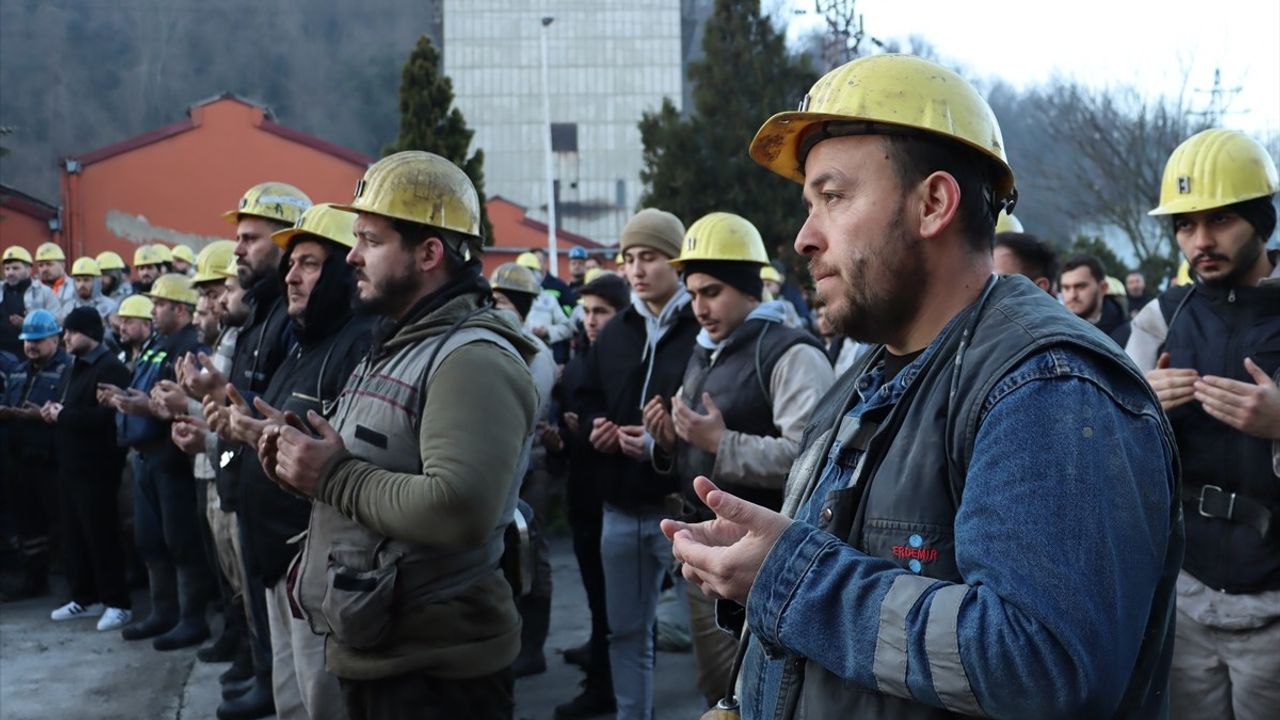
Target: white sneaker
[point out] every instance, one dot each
(114, 619)
(73, 610)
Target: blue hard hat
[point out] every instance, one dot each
(577, 253)
(39, 325)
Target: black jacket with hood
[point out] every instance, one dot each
(635, 357)
(260, 349)
(328, 344)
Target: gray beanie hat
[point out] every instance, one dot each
(653, 228)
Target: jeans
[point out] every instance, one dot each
(636, 556)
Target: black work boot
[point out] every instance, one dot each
(535, 612)
(257, 702)
(224, 648)
(580, 655)
(242, 666)
(34, 583)
(193, 596)
(595, 699)
(164, 604)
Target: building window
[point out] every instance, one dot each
(622, 194)
(564, 137)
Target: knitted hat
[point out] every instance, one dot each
(653, 228)
(743, 276)
(86, 321)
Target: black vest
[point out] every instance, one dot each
(738, 381)
(1214, 330)
(915, 479)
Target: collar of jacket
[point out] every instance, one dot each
(263, 295)
(93, 355)
(468, 281)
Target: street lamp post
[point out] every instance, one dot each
(553, 259)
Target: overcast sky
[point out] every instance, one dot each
(1152, 45)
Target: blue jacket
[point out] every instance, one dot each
(155, 363)
(32, 441)
(1049, 593)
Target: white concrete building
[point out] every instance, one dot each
(609, 61)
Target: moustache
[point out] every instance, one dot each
(1209, 256)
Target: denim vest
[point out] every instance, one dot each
(1213, 330)
(738, 379)
(350, 580)
(907, 484)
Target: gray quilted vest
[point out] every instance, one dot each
(351, 582)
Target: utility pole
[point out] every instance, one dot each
(553, 261)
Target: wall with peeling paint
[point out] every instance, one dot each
(173, 185)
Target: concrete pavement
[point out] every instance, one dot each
(69, 670)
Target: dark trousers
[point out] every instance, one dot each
(255, 600)
(586, 546)
(421, 697)
(30, 491)
(166, 524)
(93, 553)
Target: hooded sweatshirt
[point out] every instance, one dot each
(329, 342)
(96, 300)
(638, 355)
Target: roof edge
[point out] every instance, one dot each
(311, 141)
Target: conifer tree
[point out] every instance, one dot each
(428, 121)
(698, 163)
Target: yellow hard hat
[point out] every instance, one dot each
(151, 255)
(1215, 168)
(324, 220)
(1184, 274)
(135, 306)
(1008, 223)
(419, 187)
(722, 236)
(17, 252)
(882, 94)
(620, 260)
(174, 287)
(50, 251)
(85, 266)
(108, 260)
(1115, 286)
(514, 277)
(769, 273)
(529, 260)
(592, 275)
(183, 253)
(276, 201)
(211, 263)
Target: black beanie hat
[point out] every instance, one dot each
(86, 321)
(1260, 213)
(744, 276)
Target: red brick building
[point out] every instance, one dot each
(26, 220)
(171, 185)
(515, 233)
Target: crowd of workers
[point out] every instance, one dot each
(965, 482)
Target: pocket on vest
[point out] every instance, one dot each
(360, 589)
(923, 548)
